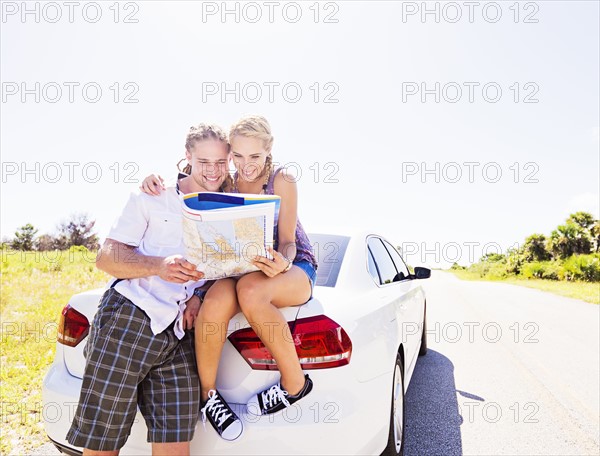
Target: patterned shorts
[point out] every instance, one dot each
(128, 366)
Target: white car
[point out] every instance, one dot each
(359, 337)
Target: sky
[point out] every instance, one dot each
(451, 128)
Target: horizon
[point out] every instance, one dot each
(477, 131)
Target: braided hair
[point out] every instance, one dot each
(202, 132)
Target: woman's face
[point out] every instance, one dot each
(210, 163)
(249, 157)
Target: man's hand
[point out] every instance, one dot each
(178, 270)
(192, 307)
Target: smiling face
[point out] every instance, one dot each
(209, 159)
(249, 157)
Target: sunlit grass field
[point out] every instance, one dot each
(586, 291)
(34, 287)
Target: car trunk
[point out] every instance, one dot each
(232, 361)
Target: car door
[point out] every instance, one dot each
(396, 293)
(413, 315)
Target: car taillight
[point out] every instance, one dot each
(320, 343)
(73, 327)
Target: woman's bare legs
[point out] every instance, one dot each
(260, 298)
(219, 306)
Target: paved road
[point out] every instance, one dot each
(510, 370)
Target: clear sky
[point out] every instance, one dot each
(447, 126)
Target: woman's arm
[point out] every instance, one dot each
(285, 187)
(153, 185)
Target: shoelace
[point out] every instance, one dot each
(216, 408)
(274, 395)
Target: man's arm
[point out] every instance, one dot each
(126, 262)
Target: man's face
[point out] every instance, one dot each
(210, 164)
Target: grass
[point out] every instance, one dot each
(35, 286)
(586, 291)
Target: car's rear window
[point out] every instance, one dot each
(329, 250)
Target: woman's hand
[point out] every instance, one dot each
(153, 185)
(192, 307)
(272, 267)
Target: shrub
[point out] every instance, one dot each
(496, 271)
(582, 267)
(533, 270)
(552, 270)
(549, 270)
(480, 269)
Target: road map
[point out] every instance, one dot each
(224, 236)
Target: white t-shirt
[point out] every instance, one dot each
(153, 224)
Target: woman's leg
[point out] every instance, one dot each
(260, 298)
(219, 306)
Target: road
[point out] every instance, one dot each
(510, 370)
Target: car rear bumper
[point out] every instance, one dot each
(70, 451)
(333, 419)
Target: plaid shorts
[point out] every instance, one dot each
(128, 366)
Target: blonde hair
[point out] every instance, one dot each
(253, 126)
(202, 132)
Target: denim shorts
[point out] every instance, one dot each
(310, 271)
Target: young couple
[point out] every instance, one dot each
(138, 352)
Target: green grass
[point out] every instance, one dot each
(35, 286)
(586, 291)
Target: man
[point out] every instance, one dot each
(138, 353)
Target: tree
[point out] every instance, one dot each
(492, 257)
(77, 231)
(514, 260)
(5, 242)
(24, 238)
(534, 248)
(46, 242)
(584, 219)
(569, 239)
(595, 233)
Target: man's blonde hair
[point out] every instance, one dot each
(202, 132)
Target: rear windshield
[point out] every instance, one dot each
(329, 250)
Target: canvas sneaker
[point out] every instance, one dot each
(275, 399)
(223, 419)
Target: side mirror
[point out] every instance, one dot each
(422, 273)
(399, 277)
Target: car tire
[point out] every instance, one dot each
(395, 444)
(423, 349)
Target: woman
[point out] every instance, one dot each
(286, 280)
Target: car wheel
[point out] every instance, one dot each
(395, 445)
(423, 349)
